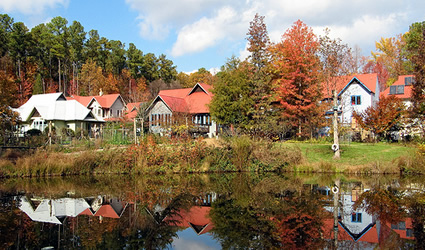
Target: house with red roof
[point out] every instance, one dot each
(187, 106)
(355, 93)
(108, 107)
(132, 109)
(402, 89)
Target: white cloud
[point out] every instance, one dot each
(158, 17)
(30, 7)
(205, 32)
(201, 24)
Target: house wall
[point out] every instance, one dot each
(354, 89)
(117, 109)
(346, 216)
(158, 109)
(96, 110)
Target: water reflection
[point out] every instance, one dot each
(212, 211)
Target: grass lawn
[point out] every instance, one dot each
(354, 154)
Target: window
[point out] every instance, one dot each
(408, 81)
(397, 90)
(399, 226)
(409, 232)
(356, 217)
(356, 100)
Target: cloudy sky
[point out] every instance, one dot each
(204, 33)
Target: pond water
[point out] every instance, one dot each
(213, 211)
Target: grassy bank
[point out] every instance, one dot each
(362, 158)
(163, 155)
(153, 155)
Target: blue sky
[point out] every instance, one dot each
(204, 33)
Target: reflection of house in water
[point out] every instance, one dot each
(106, 208)
(56, 210)
(357, 226)
(52, 210)
(197, 218)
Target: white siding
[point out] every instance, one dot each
(354, 89)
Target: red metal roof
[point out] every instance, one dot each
(107, 211)
(407, 89)
(196, 217)
(105, 101)
(84, 100)
(189, 100)
(132, 109)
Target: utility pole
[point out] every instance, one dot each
(335, 146)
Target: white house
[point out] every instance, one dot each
(184, 106)
(41, 109)
(355, 93)
(108, 107)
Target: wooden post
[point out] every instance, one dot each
(134, 130)
(141, 132)
(50, 133)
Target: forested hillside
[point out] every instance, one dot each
(62, 56)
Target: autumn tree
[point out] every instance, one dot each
(380, 118)
(200, 76)
(92, 78)
(389, 53)
(296, 66)
(8, 118)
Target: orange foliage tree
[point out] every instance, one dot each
(296, 66)
(380, 118)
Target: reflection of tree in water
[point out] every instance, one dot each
(392, 206)
(383, 203)
(416, 207)
(275, 213)
(156, 228)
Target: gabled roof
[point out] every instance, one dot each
(400, 82)
(368, 81)
(188, 100)
(53, 107)
(197, 217)
(132, 109)
(105, 101)
(54, 211)
(85, 100)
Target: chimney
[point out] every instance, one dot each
(100, 92)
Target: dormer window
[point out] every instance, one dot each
(397, 90)
(408, 81)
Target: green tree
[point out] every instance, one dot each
(232, 101)
(19, 42)
(134, 61)
(167, 71)
(77, 37)
(60, 46)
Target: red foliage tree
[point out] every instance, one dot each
(381, 117)
(297, 75)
